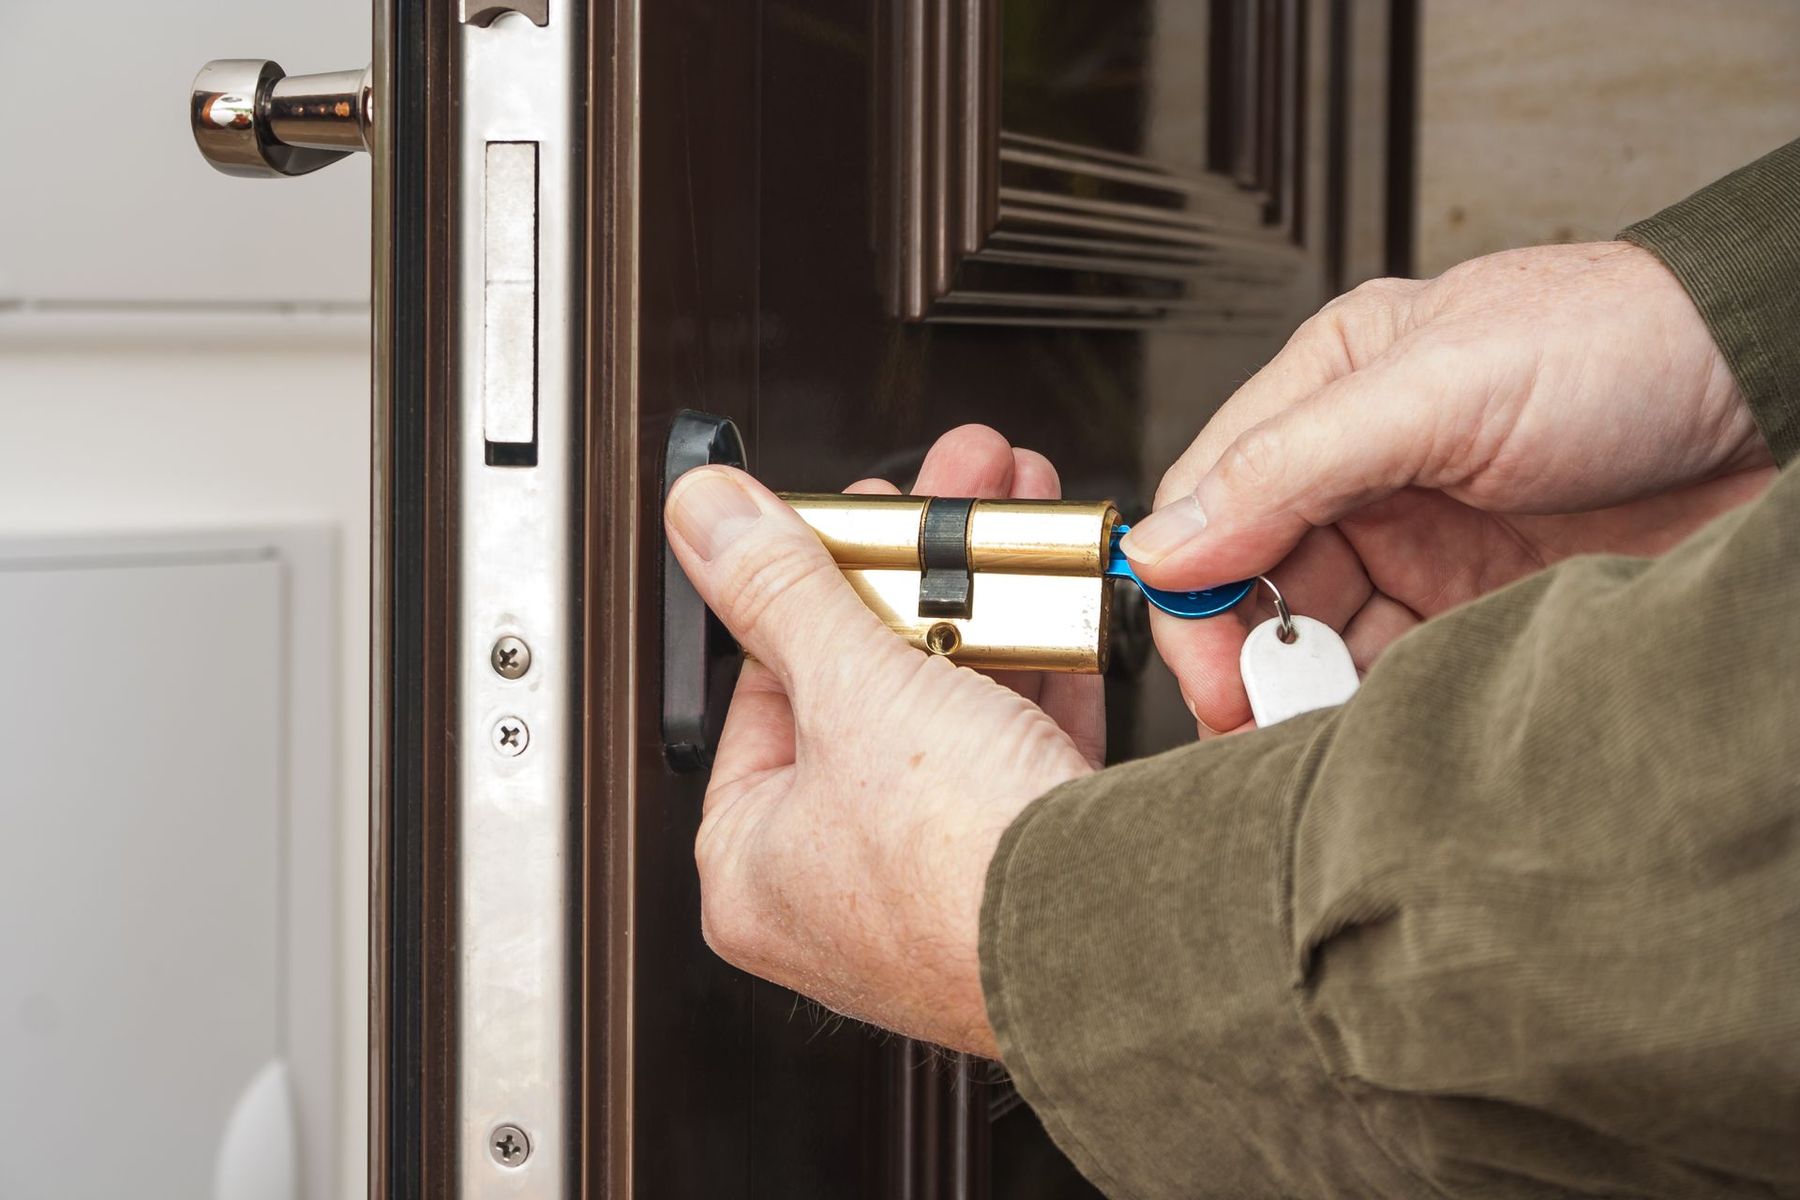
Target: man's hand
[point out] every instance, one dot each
(861, 786)
(1418, 444)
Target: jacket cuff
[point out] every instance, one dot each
(1735, 246)
(1138, 962)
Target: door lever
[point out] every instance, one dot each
(252, 119)
(700, 660)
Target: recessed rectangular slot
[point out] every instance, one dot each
(509, 359)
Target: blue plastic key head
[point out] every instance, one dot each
(1209, 602)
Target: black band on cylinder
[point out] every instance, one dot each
(946, 584)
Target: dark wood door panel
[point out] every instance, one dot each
(860, 223)
(1108, 163)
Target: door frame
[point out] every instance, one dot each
(411, 1144)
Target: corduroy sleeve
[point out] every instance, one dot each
(1520, 919)
(1735, 246)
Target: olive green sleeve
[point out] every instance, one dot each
(1735, 246)
(1520, 919)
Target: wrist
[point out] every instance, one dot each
(969, 1029)
(1722, 418)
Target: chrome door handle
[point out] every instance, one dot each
(253, 119)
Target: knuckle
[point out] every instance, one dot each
(1329, 336)
(1173, 488)
(1381, 292)
(1186, 472)
(1373, 299)
(1364, 321)
(1321, 330)
(1254, 458)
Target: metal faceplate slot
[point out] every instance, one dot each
(509, 341)
(1037, 596)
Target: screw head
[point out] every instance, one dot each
(511, 736)
(510, 657)
(509, 1146)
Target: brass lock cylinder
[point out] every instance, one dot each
(1030, 537)
(1037, 598)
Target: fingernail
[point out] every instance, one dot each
(710, 511)
(1164, 531)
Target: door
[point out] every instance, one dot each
(860, 225)
(848, 227)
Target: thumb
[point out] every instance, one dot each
(770, 580)
(1356, 440)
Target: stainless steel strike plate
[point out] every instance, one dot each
(1019, 584)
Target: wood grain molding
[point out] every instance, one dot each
(998, 226)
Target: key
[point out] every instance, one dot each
(1209, 602)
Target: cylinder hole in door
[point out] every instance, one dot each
(942, 638)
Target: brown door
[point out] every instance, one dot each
(848, 225)
(861, 224)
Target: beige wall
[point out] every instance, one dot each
(1564, 120)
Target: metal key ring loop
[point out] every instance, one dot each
(1287, 633)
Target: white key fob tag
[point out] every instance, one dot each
(1285, 679)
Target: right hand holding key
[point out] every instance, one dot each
(1420, 443)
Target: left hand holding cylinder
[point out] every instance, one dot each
(860, 786)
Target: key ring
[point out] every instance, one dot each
(1287, 633)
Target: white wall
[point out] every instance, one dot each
(105, 432)
(182, 350)
(104, 199)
